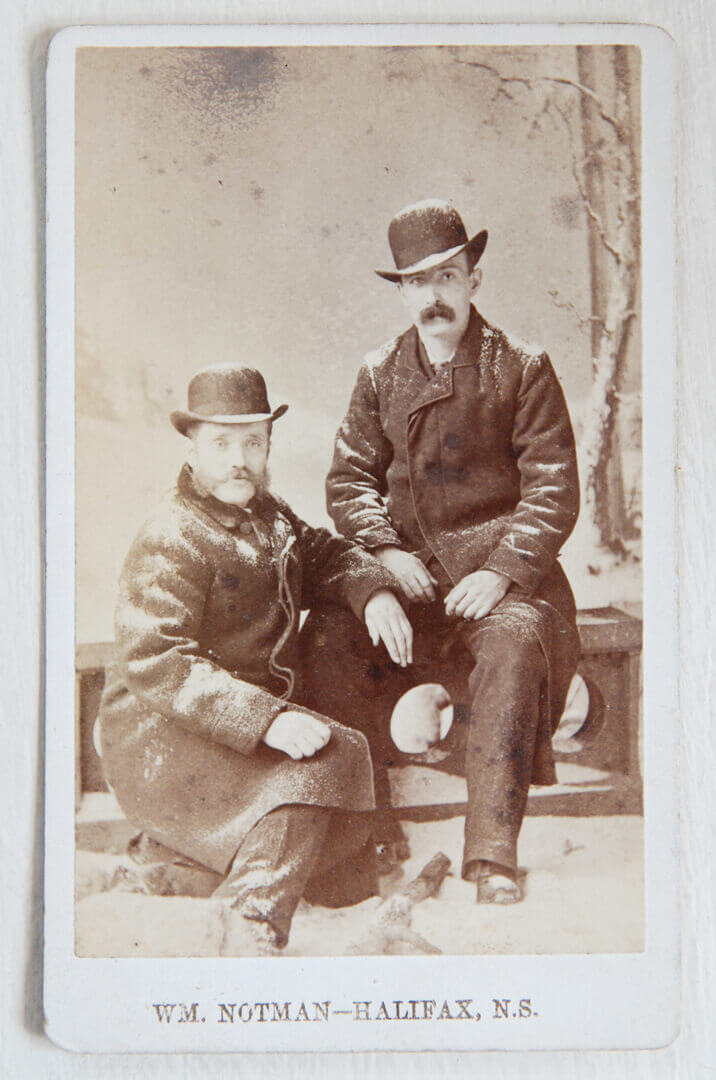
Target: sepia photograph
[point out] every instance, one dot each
(387, 697)
(358, 533)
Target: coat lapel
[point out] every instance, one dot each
(413, 380)
(441, 386)
(472, 349)
(282, 539)
(476, 344)
(417, 389)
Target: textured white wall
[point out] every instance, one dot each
(24, 1051)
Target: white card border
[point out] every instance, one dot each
(585, 1002)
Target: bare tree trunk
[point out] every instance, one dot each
(604, 166)
(610, 182)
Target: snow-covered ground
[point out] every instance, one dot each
(584, 895)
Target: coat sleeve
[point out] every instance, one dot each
(162, 592)
(337, 570)
(543, 443)
(356, 482)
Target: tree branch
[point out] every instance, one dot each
(529, 82)
(593, 215)
(579, 180)
(567, 305)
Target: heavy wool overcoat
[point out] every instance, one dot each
(474, 466)
(206, 628)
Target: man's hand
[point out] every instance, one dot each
(387, 622)
(415, 579)
(297, 734)
(476, 594)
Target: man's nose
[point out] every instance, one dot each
(238, 460)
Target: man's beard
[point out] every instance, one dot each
(438, 310)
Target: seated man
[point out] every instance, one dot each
(455, 465)
(200, 739)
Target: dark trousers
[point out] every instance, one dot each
(326, 856)
(300, 851)
(497, 675)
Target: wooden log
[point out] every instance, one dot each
(390, 930)
(428, 881)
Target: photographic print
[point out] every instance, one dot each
(359, 575)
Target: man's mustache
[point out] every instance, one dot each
(260, 480)
(437, 310)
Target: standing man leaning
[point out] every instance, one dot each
(201, 732)
(455, 465)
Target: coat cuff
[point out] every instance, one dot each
(244, 722)
(516, 566)
(361, 592)
(377, 536)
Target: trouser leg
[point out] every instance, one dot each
(507, 685)
(273, 864)
(349, 679)
(346, 870)
(299, 850)
(161, 871)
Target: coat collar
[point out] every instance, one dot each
(262, 505)
(473, 348)
(468, 352)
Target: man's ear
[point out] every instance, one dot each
(476, 278)
(191, 454)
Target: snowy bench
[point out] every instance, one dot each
(602, 776)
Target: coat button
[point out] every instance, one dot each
(245, 528)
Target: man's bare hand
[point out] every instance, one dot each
(387, 622)
(297, 734)
(415, 579)
(476, 594)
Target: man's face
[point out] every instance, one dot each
(230, 460)
(438, 300)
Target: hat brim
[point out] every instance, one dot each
(473, 248)
(182, 420)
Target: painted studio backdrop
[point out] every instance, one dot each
(231, 203)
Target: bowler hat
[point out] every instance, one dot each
(422, 717)
(226, 394)
(426, 234)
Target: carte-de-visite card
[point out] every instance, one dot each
(375, 750)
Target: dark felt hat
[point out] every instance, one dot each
(226, 394)
(426, 234)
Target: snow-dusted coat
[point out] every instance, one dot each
(474, 466)
(206, 627)
(477, 464)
